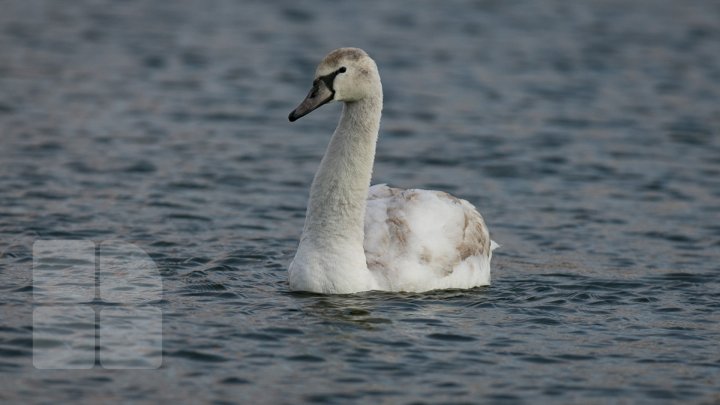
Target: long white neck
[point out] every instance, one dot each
(336, 210)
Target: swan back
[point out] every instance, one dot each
(417, 240)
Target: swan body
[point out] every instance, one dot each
(359, 238)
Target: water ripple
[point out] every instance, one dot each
(584, 132)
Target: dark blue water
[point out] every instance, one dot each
(586, 132)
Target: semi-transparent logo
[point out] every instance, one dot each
(94, 306)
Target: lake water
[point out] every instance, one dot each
(585, 132)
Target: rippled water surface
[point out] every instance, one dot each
(586, 133)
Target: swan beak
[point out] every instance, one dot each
(319, 94)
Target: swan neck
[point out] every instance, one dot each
(336, 210)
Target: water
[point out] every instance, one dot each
(586, 132)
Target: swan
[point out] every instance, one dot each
(360, 238)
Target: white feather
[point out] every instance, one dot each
(418, 240)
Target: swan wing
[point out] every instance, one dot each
(418, 240)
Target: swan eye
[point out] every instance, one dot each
(342, 70)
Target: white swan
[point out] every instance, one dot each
(359, 238)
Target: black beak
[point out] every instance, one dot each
(319, 94)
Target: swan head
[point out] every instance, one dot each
(345, 74)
